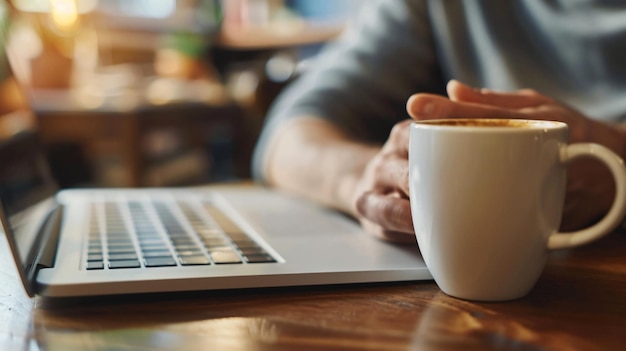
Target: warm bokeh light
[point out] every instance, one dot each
(44, 6)
(64, 13)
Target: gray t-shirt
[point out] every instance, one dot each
(573, 51)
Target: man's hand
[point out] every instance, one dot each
(466, 102)
(590, 188)
(381, 199)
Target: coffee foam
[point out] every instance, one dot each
(507, 123)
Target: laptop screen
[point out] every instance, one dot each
(26, 185)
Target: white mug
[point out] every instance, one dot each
(487, 198)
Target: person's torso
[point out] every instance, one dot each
(571, 50)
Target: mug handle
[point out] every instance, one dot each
(618, 208)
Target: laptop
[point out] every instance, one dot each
(90, 242)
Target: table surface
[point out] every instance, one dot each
(579, 303)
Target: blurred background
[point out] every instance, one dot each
(155, 92)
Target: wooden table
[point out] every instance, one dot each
(578, 304)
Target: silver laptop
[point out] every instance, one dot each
(121, 241)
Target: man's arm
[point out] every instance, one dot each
(312, 157)
(323, 137)
(359, 83)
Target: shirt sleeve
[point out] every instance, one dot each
(361, 81)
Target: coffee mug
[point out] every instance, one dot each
(487, 198)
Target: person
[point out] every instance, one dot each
(339, 133)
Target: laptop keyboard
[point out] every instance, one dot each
(178, 235)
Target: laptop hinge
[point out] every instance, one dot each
(48, 237)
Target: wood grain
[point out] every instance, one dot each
(578, 304)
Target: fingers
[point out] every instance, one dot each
(458, 91)
(398, 142)
(391, 168)
(390, 212)
(392, 174)
(468, 102)
(429, 106)
(382, 202)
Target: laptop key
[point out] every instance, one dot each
(194, 252)
(124, 264)
(94, 257)
(160, 253)
(156, 247)
(215, 242)
(225, 257)
(119, 241)
(121, 251)
(122, 257)
(252, 250)
(95, 265)
(194, 260)
(159, 261)
(259, 258)
(247, 242)
(181, 242)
